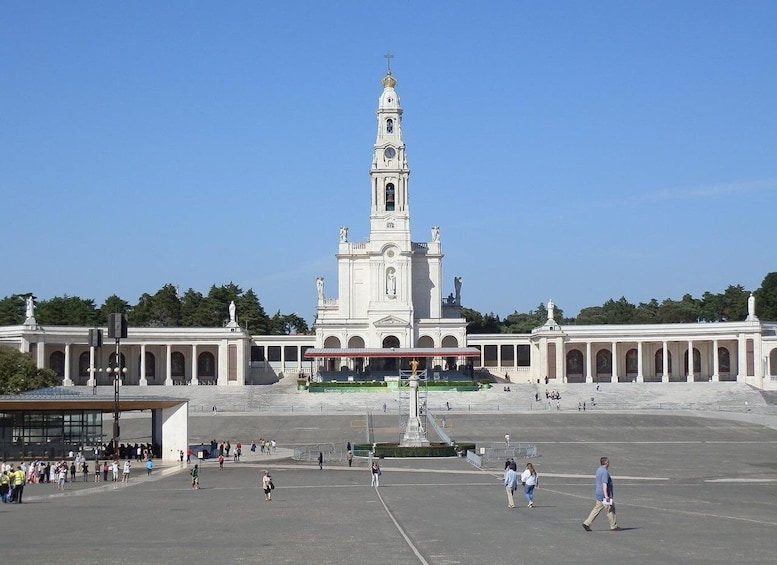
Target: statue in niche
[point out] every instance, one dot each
(391, 283)
(320, 287)
(435, 233)
(457, 286)
(343, 235)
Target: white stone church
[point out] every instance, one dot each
(390, 296)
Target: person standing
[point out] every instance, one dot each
(350, 458)
(375, 474)
(267, 485)
(530, 481)
(604, 496)
(511, 483)
(115, 471)
(196, 477)
(320, 461)
(126, 471)
(105, 471)
(221, 462)
(18, 484)
(149, 467)
(85, 469)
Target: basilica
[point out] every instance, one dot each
(389, 305)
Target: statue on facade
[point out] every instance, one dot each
(751, 308)
(343, 235)
(232, 313)
(457, 287)
(391, 283)
(320, 287)
(551, 310)
(435, 233)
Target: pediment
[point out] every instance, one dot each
(391, 321)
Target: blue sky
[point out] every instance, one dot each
(578, 151)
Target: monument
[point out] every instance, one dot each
(415, 435)
(30, 311)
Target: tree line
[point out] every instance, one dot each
(166, 308)
(729, 305)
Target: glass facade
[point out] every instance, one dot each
(49, 435)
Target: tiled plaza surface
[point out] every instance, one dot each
(687, 490)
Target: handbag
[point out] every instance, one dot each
(272, 486)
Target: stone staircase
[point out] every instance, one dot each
(280, 398)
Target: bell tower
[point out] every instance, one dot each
(389, 175)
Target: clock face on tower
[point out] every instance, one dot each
(389, 153)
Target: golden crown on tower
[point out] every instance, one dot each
(389, 81)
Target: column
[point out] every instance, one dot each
(40, 348)
(560, 360)
(169, 365)
(640, 373)
(715, 362)
(67, 381)
(589, 378)
(665, 367)
(689, 375)
(92, 374)
(741, 359)
(614, 362)
(195, 368)
(143, 381)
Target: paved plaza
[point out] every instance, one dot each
(688, 490)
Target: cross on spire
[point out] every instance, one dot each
(388, 56)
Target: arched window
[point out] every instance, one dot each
(724, 360)
(696, 361)
(389, 126)
(177, 364)
(83, 364)
(150, 365)
(575, 362)
(659, 357)
(604, 362)
(206, 365)
(112, 360)
(632, 362)
(390, 197)
(57, 363)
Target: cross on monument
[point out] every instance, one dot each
(388, 56)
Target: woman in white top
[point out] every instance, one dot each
(267, 485)
(530, 481)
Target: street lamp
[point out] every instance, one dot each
(117, 329)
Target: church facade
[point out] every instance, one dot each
(389, 294)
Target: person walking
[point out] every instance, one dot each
(221, 462)
(195, 473)
(149, 467)
(511, 483)
(267, 485)
(375, 474)
(350, 458)
(604, 496)
(530, 481)
(320, 461)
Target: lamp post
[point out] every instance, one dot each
(117, 329)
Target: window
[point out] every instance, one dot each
(206, 365)
(524, 355)
(389, 197)
(389, 124)
(177, 364)
(575, 362)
